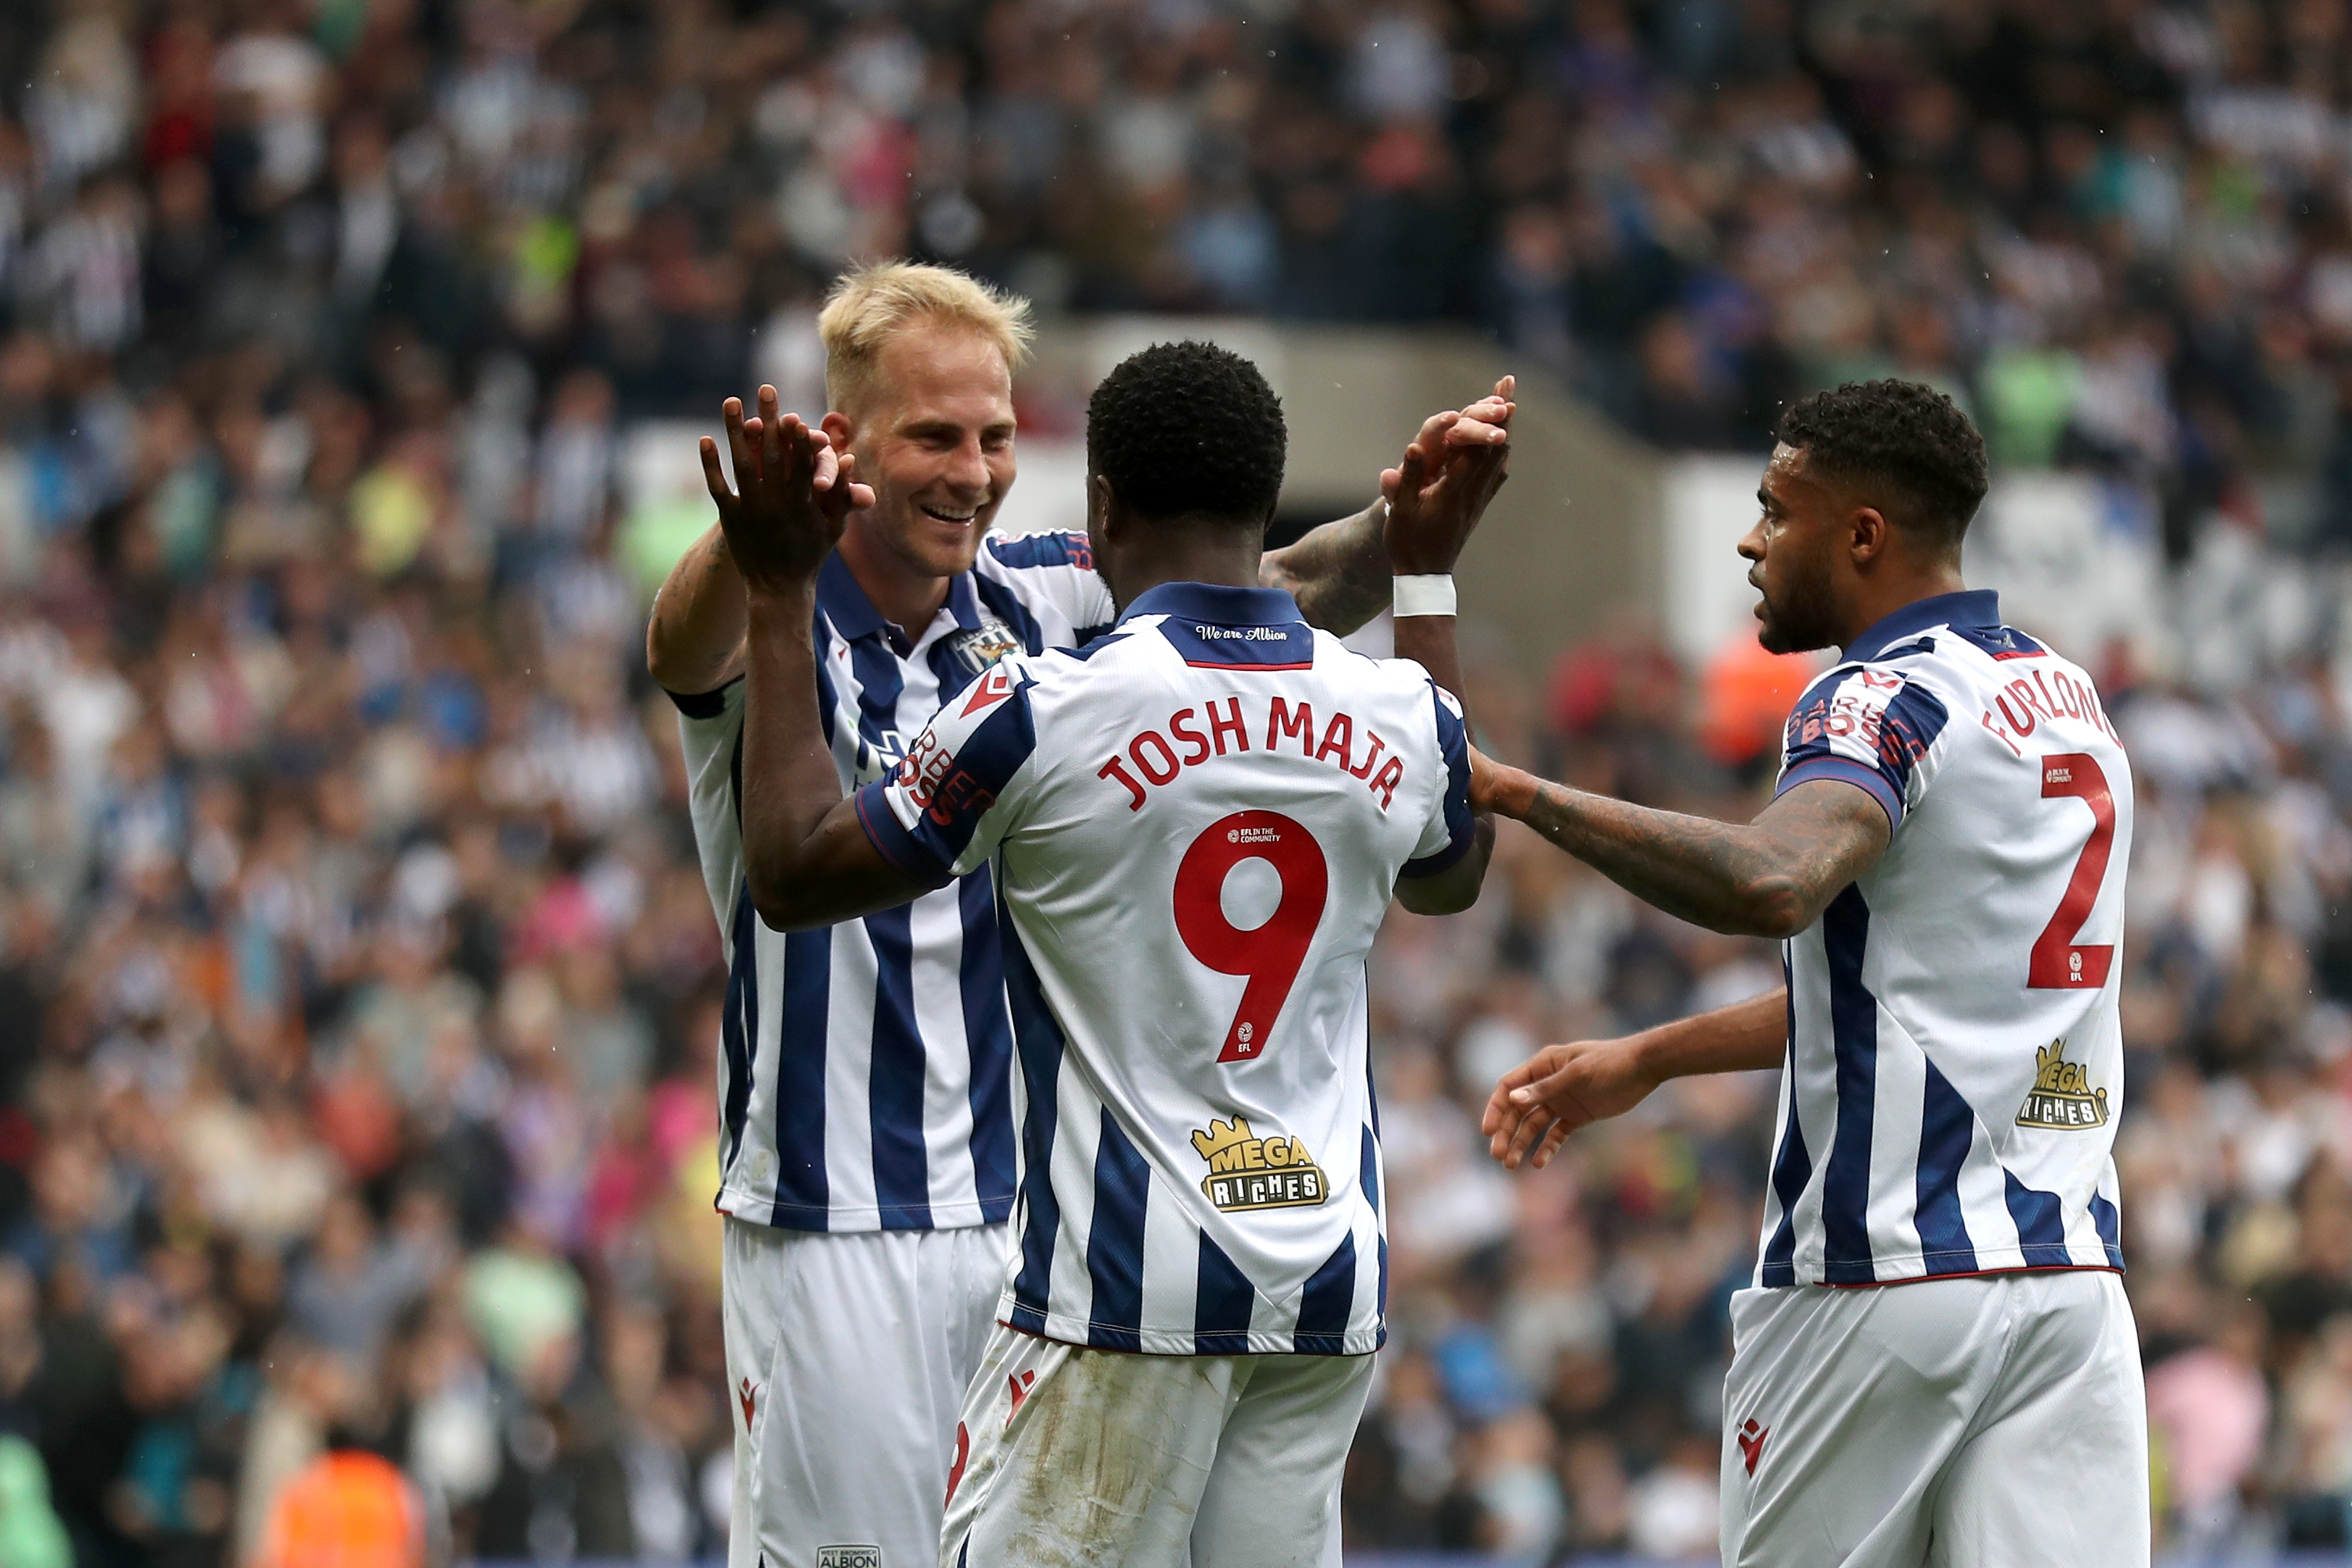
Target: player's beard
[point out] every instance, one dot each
(1800, 618)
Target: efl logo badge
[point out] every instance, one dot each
(2062, 1098)
(1246, 1172)
(848, 1557)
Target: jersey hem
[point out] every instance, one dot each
(2018, 1267)
(746, 1208)
(1063, 1328)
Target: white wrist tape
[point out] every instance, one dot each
(1428, 595)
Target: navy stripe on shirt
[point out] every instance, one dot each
(738, 1027)
(802, 1184)
(1115, 1241)
(894, 1090)
(1854, 1029)
(1792, 1167)
(2040, 1224)
(1325, 1306)
(820, 634)
(2110, 1227)
(1946, 1128)
(1037, 1039)
(988, 1033)
(1223, 1298)
(880, 684)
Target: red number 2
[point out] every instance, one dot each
(2057, 963)
(1271, 954)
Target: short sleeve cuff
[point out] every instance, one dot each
(914, 859)
(1430, 865)
(1867, 779)
(701, 704)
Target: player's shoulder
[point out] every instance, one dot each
(1010, 557)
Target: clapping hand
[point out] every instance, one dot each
(1439, 491)
(791, 497)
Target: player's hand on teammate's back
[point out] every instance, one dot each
(791, 497)
(1559, 1089)
(1449, 473)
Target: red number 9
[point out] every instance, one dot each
(1271, 954)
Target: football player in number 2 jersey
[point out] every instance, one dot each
(1196, 822)
(1937, 1362)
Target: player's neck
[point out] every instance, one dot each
(1230, 564)
(1874, 601)
(907, 596)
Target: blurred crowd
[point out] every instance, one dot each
(358, 990)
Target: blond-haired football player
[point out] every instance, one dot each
(867, 1139)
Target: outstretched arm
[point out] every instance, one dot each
(1340, 572)
(1562, 1088)
(1772, 877)
(806, 859)
(1426, 524)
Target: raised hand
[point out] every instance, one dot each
(1440, 490)
(791, 497)
(1559, 1089)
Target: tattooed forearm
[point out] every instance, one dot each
(1338, 572)
(1769, 878)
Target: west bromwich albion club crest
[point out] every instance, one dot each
(2061, 1097)
(1246, 1172)
(983, 645)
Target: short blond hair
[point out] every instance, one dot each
(869, 304)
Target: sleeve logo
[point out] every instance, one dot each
(2061, 1099)
(988, 690)
(1246, 1172)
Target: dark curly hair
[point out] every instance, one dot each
(1187, 430)
(1909, 445)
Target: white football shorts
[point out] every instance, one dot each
(847, 1357)
(1075, 1456)
(1997, 1421)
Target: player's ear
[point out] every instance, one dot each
(1099, 506)
(839, 428)
(1869, 535)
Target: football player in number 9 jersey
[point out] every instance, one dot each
(1936, 1316)
(1196, 823)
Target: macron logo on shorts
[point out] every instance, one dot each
(848, 1557)
(1751, 1442)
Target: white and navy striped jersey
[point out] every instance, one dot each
(863, 1079)
(1955, 1064)
(1196, 825)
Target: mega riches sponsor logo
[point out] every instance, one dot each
(848, 1557)
(1248, 1171)
(2061, 1097)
